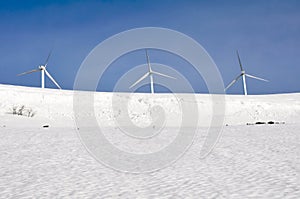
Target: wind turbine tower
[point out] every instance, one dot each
(43, 70)
(243, 74)
(150, 73)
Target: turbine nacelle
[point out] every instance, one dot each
(41, 67)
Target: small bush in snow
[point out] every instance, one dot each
(22, 110)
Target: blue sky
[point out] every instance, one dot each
(266, 33)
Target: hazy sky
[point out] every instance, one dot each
(266, 33)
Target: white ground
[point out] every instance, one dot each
(249, 161)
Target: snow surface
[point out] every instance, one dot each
(249, 161)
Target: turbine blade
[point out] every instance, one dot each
(157, 73)
(233, 81)
(28, 72)
(139, 80)
(48, 74)
(49, 55)
(251, 76)
(148, 61)
(240, 63)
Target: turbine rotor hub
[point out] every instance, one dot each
(42, 67)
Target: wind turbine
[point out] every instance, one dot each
(43, 70)
(243, 75)
(150, 73)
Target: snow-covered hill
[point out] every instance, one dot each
(56, 106)
(249, 161)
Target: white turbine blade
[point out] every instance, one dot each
(240, 63)
(49, 55)
(235, 80)
(148, 61)
(251, 76)
(139, 80)
(48, 74)
(28, 72)
(157, 73)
